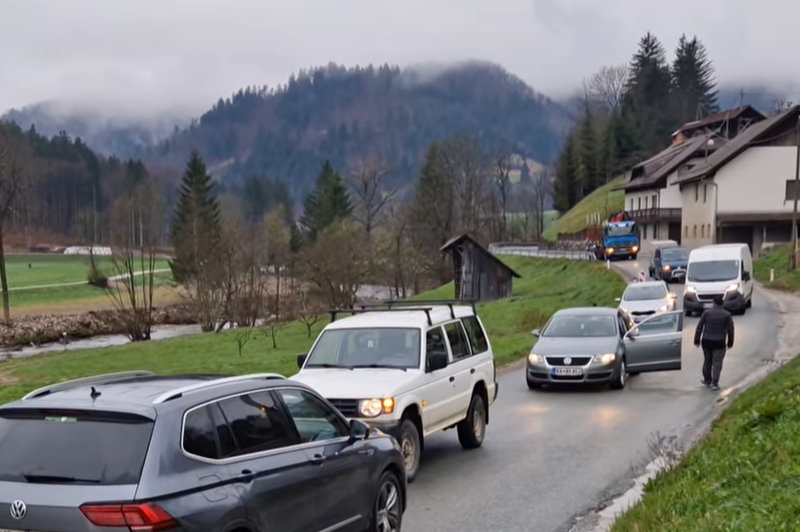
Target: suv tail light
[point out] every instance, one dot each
(136, 517)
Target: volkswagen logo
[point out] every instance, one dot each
(18, 510)
(567, 361)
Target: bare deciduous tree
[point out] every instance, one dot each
(368, 181)
(338, 263)
(242, 338)
(136, 231)
(502, 165)
(15, 172)
(542, 189)
(309, 311)
(400, 265)
(605, 89)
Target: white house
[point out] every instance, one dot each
(745, 190)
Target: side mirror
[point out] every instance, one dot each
(536, 333)
(358, 430)
(632, 334)
(746, 276)
(618, 299)
(437, 361)
(301, 360)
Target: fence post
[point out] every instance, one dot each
(772, 275)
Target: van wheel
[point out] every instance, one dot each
(749, 303)
(472, 429)
(621, 377)
(410, 448)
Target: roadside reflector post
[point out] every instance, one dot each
(608, 264)
(772, 275)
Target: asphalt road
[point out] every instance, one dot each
(551, 455)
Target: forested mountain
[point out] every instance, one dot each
(347, 114)
(105, 135)
(58, 189)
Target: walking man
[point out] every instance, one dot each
(715, 333)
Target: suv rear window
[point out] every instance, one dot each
(72, 447)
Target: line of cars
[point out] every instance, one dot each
(330, 449)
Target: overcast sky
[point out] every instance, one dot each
(157, 56)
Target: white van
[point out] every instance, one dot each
(724, 269)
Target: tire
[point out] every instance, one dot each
(688, 312)
(532, 385)
(633, 257)
(621, 376)
(749, 303)
(633, 373)
(472, 430)
(387, 514)
(410, 447)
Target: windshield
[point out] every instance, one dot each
(615, 230)
(713, 271)
(674, 255)
(378, 347)
(644, 293)
(72, 447)
(581, 326)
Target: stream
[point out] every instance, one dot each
(159, 332)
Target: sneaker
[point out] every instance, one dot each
(715, 387)
(707, 384)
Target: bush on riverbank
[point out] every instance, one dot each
(546, 286)
(744, 476)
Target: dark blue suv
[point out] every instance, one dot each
(137, 451)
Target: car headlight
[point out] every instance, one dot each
(635, 249)
(690, 289)
(376, 407)
(606, 358)
(610, 250)
(535, 360)
(732, 288)
(666, 268)
(663, 309)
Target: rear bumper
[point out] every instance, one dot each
(733, 302)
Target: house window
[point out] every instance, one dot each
(703, 231)
(655, 201)
(696, 193)
(645, 203)
(709, 230)
(686, 231)
(631, 204)
(639, 203)
(694, 232)
(791, 190)
(705, 193)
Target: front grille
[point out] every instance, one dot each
(348, 407)
(576, 361)
(709, 297)
(567, 377)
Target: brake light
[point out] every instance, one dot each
(136, 517)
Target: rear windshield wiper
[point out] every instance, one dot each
(57, 479)
(380, 366)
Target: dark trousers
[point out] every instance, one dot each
(713, 355)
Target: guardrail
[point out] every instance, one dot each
(532, 250)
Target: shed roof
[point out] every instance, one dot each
(453, 242)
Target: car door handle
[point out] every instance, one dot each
(247, 476)
(318, 459)
(452, 379)
(367, 452)
(675, 342)
(472, 370)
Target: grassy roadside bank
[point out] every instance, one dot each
(546, 286)
(777, 260)
(744, 476)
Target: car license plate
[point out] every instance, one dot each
(568, 371)
(708, 305)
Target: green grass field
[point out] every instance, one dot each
(547, 285)
(777, 259)
(26, 272)
(744, 476)
(603, 201)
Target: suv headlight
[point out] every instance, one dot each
(606, 358)
(375, 407)
(535, 360)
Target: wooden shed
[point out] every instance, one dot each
(477, 273)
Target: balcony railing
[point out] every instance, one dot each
(655, 214)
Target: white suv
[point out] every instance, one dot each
(410, 369)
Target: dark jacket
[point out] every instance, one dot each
(715, 328)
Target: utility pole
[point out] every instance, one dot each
(793, 258)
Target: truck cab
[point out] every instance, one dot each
(621, 237)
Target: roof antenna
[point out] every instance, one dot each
(95, 394)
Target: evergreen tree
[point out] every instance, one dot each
(565, 188)
(328, 203)
(693, 81)
(586, 156)
(525, 174)
(197, 227)
(648, 94)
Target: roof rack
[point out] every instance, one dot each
(179, 392)
(95, 380)
(448, 302)
(364, 308)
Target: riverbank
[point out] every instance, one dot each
(546, 286)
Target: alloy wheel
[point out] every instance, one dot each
(388, 511)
